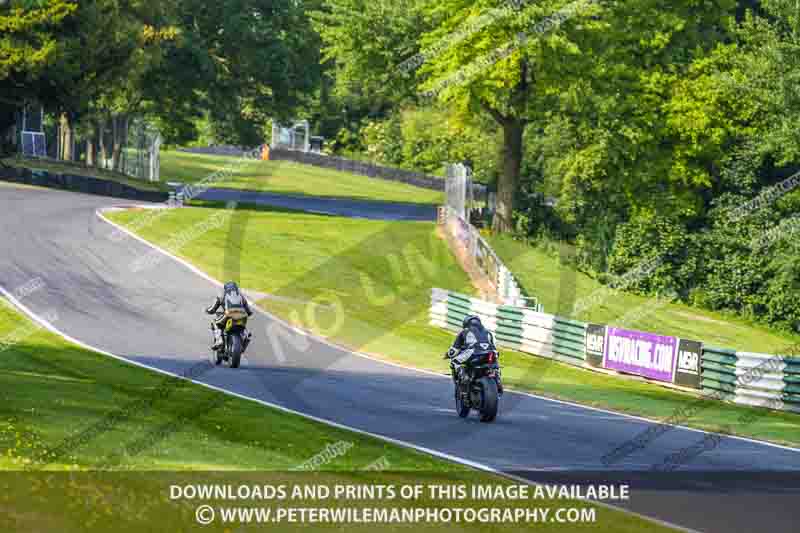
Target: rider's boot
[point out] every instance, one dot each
(217, 340)
(248, 336)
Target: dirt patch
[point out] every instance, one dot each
(480, 281)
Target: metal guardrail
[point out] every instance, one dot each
(482, 256)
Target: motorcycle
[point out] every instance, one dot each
(235, 338)
(477, 384)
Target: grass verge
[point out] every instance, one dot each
(285, 177)
(50, 388)
(541, 275)
(368, 283)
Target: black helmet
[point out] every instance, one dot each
(471, 319)
(231, 286)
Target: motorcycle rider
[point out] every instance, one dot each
(230, 299)
(472, 333)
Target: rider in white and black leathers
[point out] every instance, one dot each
(471, 336)
(231, 297)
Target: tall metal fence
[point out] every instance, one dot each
(141, 153)
(128, 145)
(458, 188)
(295, 137)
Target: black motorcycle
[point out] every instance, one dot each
(477, 384)
(235, 338)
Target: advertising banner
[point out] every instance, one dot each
(690, 354)
(595, 341)
(644, 354)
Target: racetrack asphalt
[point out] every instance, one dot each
(155, 317)
(345, 207)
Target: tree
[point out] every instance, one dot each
(28, 48)
(499, 57)
(249, 59)
(366, 43)
(618, 145)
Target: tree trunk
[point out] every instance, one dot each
(8, 134)
(120, 129)
(91, 151)
(115, 147)
(511, 156)
(103, 149)
(66, 138)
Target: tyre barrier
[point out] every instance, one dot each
(745, 378)
(83, 184)
(755, 379)
(516, 328)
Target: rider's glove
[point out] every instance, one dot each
(450, 353)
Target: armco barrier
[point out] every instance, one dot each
(463, 236)
(745, 378)
(220, 149)
(517, 328)
(342, 164)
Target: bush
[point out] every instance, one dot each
(673, 251)
(424, 140)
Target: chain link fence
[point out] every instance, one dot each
(125, 144)
(141, 153)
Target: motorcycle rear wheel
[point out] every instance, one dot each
(461, 408)
(488, 400)
(235, 348)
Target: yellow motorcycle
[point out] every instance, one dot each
(235, 337)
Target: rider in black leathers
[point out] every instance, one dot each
(473, 333)
(230, 298)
